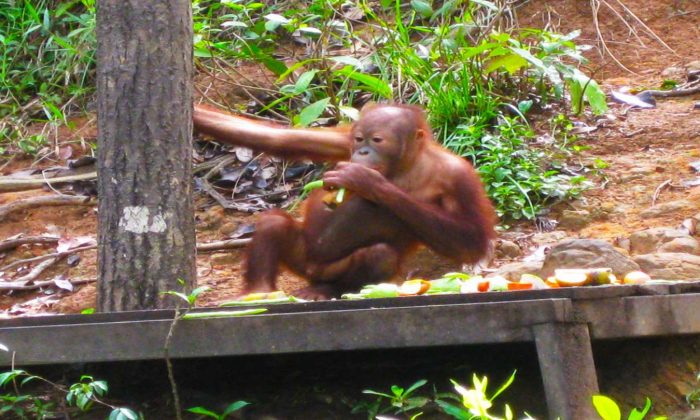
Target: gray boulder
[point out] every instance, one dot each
(685, 245)
(587, 253)
(513, 271)
(649, 240)
(670, 266)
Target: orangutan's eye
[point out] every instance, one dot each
(359, 139)
(377, 139)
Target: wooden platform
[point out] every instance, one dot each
(561, 323)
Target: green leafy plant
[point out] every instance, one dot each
(608, 409)
(190, 300)
(82, 394)
(25, 406)
(232, 408)
(475, 401)
(471, 404)
(693, 397)
(46, 64)
(399, 400)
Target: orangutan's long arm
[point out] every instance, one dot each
(321, 144)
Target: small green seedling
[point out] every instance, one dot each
(608, 409)
(402, 399)
(229, 410)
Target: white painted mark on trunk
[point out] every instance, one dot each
(138, 219)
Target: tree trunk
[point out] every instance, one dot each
(146, 218)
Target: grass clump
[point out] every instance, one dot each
(46, 66)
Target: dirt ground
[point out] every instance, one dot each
(647, 152)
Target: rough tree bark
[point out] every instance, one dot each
(145, 223)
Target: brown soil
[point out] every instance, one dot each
(643, 148)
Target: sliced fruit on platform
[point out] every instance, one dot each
(636, 277)
(568, 277)
(414, 287)
(516, 285)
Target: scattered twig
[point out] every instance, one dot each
(219, 245)
(658, 191)
(48, 256)
(52, 200)
(14, 243)
(595, 8)
(8, 184)
(228, 159)
(17, 285)
(627, 24)
(209, 246)
(633, 133)
(206, 187)
(36, 271)
(208, 164)
(7, 163)
(644, 25)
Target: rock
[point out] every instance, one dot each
(554, 236)
(575, 219)
(604, 211)
(225, 258)
(670, 266)
(513, 271)
(587, 253)
(668, 207)
(507, 249)
(685, 245)
(623, 243)
(675, 73)
(649, 240)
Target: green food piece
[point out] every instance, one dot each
(375, 291)
(223, 314)
(498, 284)
(445, 285)
(287, 299)
(319, 184)
(456, 275)
(313, 185)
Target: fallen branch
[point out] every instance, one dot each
(689, 89)
(46, 201)
(210, 246)
(14, 243)
(36, 271)
(58, 255)
(8, 184)
(219, 245)
(15, 285)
